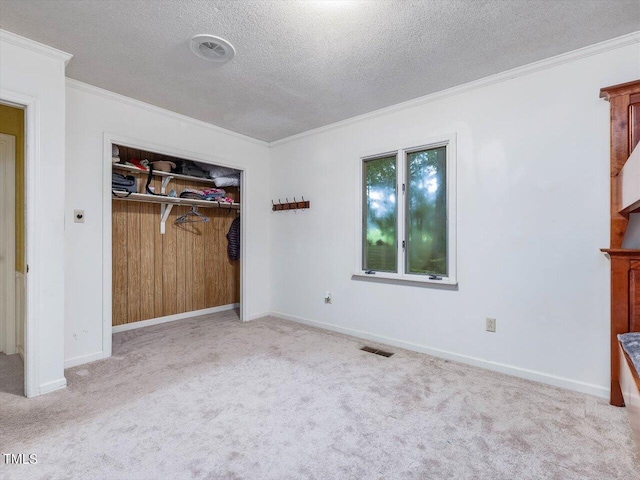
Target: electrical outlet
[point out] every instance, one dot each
(491, 324)
(78, 216)
(327, 297)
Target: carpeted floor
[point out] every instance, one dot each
(212, 397)
(11, 379)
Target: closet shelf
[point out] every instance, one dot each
(143, 197)
(137, 171)
(167, 203)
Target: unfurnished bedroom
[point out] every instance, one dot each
(320, 239)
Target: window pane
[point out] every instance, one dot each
(380, 215)
(427, 212)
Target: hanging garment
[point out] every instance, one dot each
(233, 237)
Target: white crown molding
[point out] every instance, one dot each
(132, 102)
(34, 46)
(595, 49)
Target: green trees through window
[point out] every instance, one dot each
(419, 218)
(426, 206)
(380, 215)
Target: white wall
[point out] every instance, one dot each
(90, 113)
(35, 73)
(533, 211)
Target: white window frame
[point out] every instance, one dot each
(402, 277)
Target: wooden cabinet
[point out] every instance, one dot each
(625, 308)
(634, 121)
(624, 102)
(634, 294)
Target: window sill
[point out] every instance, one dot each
(381, 277)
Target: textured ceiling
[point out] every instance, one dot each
(304, 64)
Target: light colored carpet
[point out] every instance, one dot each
(11, 377)
(212, 397)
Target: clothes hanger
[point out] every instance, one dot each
(192, 216)
(228, 210)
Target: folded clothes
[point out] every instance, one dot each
(223, 200)
(216, 171)
(227, 181)
(210, 194)
(192, 193)
(213, 193)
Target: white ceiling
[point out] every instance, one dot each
(303, 64)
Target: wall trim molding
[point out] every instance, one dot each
(9, 322)
(33, 284)
(525, 373)
(91, 357)
(132, 102)
(588, 51)
(52, 386)
(172, 318)
(256, 316)
(20, 309)
(34, 46)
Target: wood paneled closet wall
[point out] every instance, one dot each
(185, 269)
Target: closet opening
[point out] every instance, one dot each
(175, 237)
(12, 250)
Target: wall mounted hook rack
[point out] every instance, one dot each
(295, 205)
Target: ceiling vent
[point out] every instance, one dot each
(211, 48)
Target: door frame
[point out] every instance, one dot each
(7, 229)
(32, 160)
(107, 238)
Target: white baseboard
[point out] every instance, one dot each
(173, 318)
(478, 362)
(52, 386)
(75, 361)
(21, 352)
(256, 316)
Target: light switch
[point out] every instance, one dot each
(78, 216)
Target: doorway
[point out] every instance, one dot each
(12, 252)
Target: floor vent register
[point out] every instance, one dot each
(376, 351)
